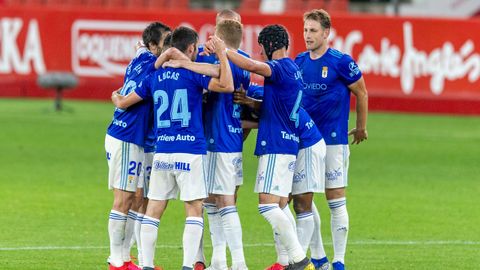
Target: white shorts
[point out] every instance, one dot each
(336, 166)
(309, 173)
(275, 174)
(144, 179)
(177, 173)
(223, 172)
(124, 164)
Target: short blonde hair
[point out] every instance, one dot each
(230, 32)
(320, 16)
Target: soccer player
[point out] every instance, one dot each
(309, 176)
(178, 161)
(124, 144)
(277, 142)
(330, 76)
(223, 131)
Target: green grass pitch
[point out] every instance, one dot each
(413, 197)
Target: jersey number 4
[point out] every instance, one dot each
(179, 110)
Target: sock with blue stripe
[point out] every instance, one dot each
(305, 226)
(339, 225)
(129, 229)
(192, 235)
(116, 232)
(317, 251)
(233, 234)
(148, 236)
(138, 240)
(284, 229)
(219, 244)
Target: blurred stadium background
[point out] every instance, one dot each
(414, 186)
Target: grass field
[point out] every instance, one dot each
(413, 197)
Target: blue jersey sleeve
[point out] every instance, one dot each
(255, 91)
(143, 89)
(245, 79)
(201, 80)
(348, 70)
(276, 73)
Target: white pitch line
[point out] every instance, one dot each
(355, 243)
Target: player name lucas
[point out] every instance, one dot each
(179, 137)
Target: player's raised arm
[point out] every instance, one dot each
(359, 89)
(249, 64)
(171, 53)
(225, 82)
(210, 70)
(123, 102)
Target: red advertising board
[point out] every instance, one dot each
(409, 64)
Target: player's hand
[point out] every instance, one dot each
(240, 96)
(359, 135)
(139, 45)
(218, 44)
(174, 63)
(209, 47)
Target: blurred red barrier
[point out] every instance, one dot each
(409, 64)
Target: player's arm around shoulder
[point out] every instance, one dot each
(123, 102)
(249, 64)
(210, 70)
(359, 89)
(225, 82)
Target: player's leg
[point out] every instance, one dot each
(162, 188)
(228, 168)
(274, 180)
(192, 185)
(219, 243)
(123, 161)
(336, 181)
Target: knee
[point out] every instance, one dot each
(301, 205)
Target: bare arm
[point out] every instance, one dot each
(123, 102)
(243, 62)
(210, 70)
(359, 89)
(225, 82)
(249, 64)
(171, 53)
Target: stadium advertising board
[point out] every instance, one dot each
(409, 64)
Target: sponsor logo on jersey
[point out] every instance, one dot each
(354, 70)
(103, 48)
(175, 166)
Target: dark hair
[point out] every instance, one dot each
(153, 33)
(182, 37)
(167, 42)
(273, 37)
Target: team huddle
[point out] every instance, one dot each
(178, 129)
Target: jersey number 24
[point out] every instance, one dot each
(179, 109)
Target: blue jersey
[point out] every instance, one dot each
(223, 128)
(135, 124)
(279, 113)
(326, 95)
(177, 98)
(307, 131)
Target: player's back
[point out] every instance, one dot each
(223, 128)
(279, 116)
(326, 95)
(177, 96)
(132, 125)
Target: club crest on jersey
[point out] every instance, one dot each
(324, 72)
